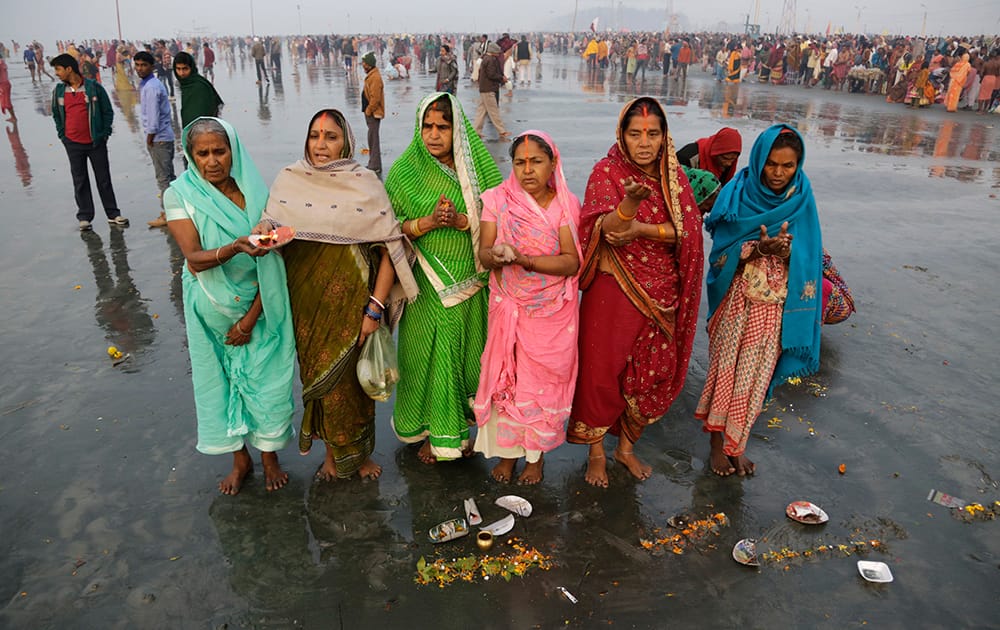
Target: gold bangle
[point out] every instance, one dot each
(623, 217)
(662, 231)
(217, 259)
(240, 330)
(468, 225)
(415, 228)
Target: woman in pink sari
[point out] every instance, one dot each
(528, 241)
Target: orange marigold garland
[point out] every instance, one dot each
(469, 568)
(692, 532)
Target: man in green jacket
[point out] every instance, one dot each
(83, 115)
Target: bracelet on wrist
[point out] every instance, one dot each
(415, 228)
(240, 330)
(468, 225)
(622, 216)
(662, 231)
(372, 298)
(370, 314)
(529, 263)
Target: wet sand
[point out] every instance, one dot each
(111, 519)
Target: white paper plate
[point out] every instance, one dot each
(472, 512)
(745, 552)
(515, 504)
(806, 513)
(448, 530)
(501, 527)
(874, 571)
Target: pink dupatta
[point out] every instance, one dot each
(529, 364)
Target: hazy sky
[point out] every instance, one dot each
(48, 20)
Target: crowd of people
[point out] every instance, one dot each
(522, 312)
(919, 71)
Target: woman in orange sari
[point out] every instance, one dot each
(958, 73)
(640, 229)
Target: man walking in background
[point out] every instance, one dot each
(154, 107)
(490, 79)
(257, 52)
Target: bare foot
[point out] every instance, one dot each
(639, 470)
(242, 466)
(274, 476)
(720, 462)
(425, 455)
(742, 465)
(532, 473)
(503, 471)
(328, 469)
(625, 456)
(370, 470)
(597, 466)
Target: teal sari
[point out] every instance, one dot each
(243, 394)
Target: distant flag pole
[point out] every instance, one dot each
(593, 25)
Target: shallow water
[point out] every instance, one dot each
(111, 519)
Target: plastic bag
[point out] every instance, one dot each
(378, 370)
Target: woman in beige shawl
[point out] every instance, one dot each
(348, 273)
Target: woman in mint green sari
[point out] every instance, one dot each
(236, 307)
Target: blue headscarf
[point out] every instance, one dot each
(743, 205)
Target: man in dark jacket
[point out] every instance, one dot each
(83, 116)
(490, 79)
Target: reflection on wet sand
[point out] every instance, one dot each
(126, 98)
(889, 132)
(264, 107)
(264, 537)
(358, 546)
(119, 308)
(21, 164)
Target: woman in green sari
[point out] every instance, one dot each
(434, 188)
(347, 252)
(239, 325)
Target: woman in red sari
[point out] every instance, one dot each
(640, 230)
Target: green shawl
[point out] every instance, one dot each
(198, 95)
(417, 179)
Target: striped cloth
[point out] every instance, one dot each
(439, 345)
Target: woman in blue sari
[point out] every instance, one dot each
(764, 295)
(236, 307)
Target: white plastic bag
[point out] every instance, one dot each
(378, 370)
(475, 69)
